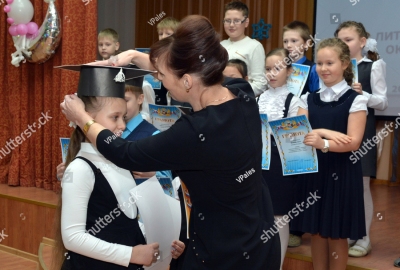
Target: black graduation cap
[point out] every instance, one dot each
(138, 81)
(106, 81)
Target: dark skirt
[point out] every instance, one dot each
(331, 202)
(282, 188)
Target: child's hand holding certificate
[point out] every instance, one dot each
(296, 157)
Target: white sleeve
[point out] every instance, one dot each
(378, 99)
(77, 186)
(359, 104)
(256, 70)
(295, 104)
(304, 99)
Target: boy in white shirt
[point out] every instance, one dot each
(240, 46)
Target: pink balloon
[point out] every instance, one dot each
(32, 27)
(7, 9)
(10, 20)
(10, 1)
(22, 29)
(13, 30)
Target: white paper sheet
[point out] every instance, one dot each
(161, 217)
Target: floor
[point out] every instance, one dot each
(385, 231)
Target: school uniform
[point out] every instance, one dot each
(371, 75)
(279, 103)
(331, 200)
(98, 223)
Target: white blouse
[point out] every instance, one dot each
(329, 94)
(272, 103)
(378, 99)
(77, 186)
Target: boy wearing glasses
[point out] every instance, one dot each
(240, 46)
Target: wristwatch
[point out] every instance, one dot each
(326, 147)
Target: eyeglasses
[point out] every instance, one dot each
(235, 21)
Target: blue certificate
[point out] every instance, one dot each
(297, 79)
(266, 153)
(64, 148)
(296, 157)
(156, 84)
(355, 70)
(163, 117)
(143, 50)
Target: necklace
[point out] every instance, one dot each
(216, 100)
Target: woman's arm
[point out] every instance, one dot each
(125, 58)
(176, 148)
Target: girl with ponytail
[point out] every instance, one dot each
(337, 115)
(371, 84)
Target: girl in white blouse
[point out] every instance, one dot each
(99, 228)
(372, 85)
(277, 102)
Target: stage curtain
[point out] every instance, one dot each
(31, 91)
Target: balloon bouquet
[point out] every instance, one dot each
(37, 45)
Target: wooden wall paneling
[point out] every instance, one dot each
(277, 13)
(25, 224)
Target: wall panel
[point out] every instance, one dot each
(276, 12)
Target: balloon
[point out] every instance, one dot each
(21, 11)
(40, 46)
(44, 43)
(10, 20)
(22, 29)
(32, 28)
(13, 30)
(7, 9)
(9, 1)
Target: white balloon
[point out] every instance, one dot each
(21, 11)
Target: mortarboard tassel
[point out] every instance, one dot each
(120, 76)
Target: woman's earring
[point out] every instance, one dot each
(187, 86)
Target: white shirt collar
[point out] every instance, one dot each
(337, 88)
(278, 89)
(364, 59)
(90, 152)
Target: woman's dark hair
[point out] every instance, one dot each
(343, 53)
(194, 48)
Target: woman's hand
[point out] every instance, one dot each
(122, 59)
(60, 171)
(335, 136)
(74, 110)
(145, 254)
(357, 87)
(139, 175)
(314, 139)
(177, 248)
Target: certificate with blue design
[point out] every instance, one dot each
(143, 50)
(266, 140)
(64, 148)
(163, 117)
(355, 70)
(296, 157)
(156, 84)
(298, 78)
